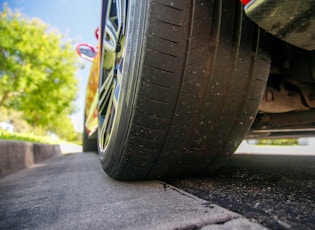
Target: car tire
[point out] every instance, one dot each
(192, 78)
(89, 144)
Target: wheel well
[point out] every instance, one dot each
(288, 104)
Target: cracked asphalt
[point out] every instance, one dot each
(72, 192)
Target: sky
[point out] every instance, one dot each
(78, 19)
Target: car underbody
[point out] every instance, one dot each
(287, 107)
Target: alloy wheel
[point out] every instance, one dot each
(111, 68)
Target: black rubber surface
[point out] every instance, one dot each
(200, 82)
(89, 144)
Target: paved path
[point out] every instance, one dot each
(72, 192)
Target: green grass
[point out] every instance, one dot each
(28, 137)
(278, 142)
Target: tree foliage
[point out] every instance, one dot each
(37, 71)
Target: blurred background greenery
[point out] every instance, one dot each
(37, 80)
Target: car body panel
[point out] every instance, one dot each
(91, 98)
(290, 20)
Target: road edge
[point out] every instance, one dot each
(17, 155)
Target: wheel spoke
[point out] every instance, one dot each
(106, 119)
(113, 26)
(110, 43)
(105, 92)
(119, 15)
(112, 73)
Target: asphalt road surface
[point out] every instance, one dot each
(72, 192)
(278, 191)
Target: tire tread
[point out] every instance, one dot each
(189, 68)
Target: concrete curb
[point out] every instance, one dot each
(17, 155)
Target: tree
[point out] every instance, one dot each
(37, 70)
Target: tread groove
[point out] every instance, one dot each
(160, 52)
(150, 115)
(172, 7)
(155, 84)
(142, 126)
(168, 23)
(154, 100)
(154, 67)
(168, 40)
